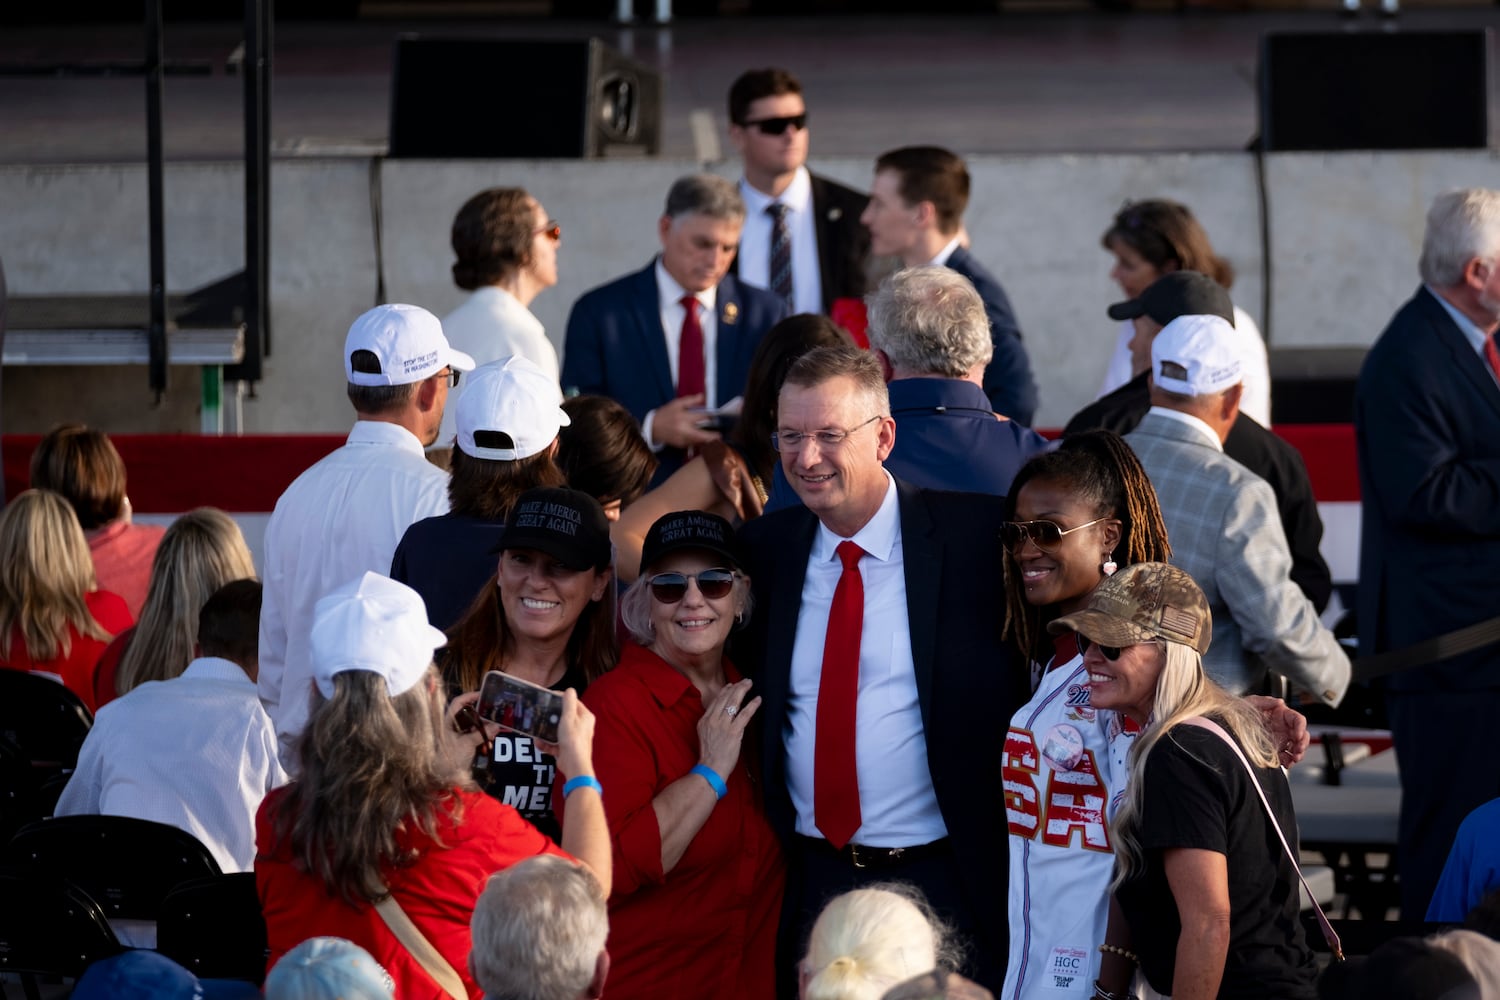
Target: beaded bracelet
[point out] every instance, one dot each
(582, 781)
(1129, 956)
(711, 776)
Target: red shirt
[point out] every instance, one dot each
(437, 891)
(708, 927)
(76, 669)
(123, 554)
(108, 669)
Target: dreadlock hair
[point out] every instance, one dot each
(1099, 467)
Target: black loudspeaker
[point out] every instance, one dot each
(501, 98)
(1397, 90)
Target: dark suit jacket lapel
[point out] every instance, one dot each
(731, 317)
(645, 301)
(775, 681)
(1470, 365)
(922, 555)
(825, 239)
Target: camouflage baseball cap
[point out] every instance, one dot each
(1140, 603)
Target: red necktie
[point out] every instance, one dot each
(1492, 353)
(835, 776)
(690, 373)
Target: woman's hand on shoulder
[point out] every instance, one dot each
(1286, 727)
(721, 730)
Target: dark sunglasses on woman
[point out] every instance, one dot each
(1044, 533)
(669, 588)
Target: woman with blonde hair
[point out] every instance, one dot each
(201, 551)
(383, 839)
(867, 941)
(1207, 897)
(53, 618)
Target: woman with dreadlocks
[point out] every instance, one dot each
(1074, 516)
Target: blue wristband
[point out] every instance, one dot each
(712, 777)
(582, 781)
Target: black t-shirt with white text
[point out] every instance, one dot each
(521, 775)
(1198, 795)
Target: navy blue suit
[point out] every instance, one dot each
(968, 685)
(1427, 427)
(947, 438)
(1008, 381)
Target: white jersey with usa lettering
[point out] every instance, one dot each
(1065, 774)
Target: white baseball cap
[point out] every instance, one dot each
(373, 624)
(408, 341)
(1195, 356)
(512, 397)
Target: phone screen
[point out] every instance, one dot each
(520, 706)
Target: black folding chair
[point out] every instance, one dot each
(20, 790)
(45, 720)
(127, 865)
(49, 927)
(214, 927)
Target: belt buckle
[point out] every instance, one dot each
(854, 854)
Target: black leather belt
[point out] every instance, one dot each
(864, 856)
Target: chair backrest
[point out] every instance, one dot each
(20, 790)
(44, 719)
(49, 926)
(127, 865)
(214, 927)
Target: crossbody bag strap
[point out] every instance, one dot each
(1329, 934)
(416, 943)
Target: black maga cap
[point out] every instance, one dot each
(1181, 293)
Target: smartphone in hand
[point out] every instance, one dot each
(520, 706)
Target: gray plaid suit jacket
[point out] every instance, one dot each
(1222, 522)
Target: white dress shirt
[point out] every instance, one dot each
(490, 325)
(941, 260)
(1188, 420)
(343, 516)
(755, 241)
(1255, 401)
(898, 807)
(197, 752)
(669, 297)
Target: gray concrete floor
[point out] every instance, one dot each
(1027, 82)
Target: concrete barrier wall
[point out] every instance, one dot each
(1345, 231)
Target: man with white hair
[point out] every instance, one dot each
(345, 515)
(538, 933)
(929, 329)
(1223, 522)
(1427, 426)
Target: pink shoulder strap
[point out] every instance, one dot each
(1329, 934)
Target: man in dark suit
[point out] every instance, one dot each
(1427, 427)
(1188, 293)
(916, 213)
(672, 343)
(802, 237)
(876, 645)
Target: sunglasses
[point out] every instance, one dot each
(669, 588)
(1110, 653)
(552, 230)
(452, 375)
(776, 126)
(1045, 534)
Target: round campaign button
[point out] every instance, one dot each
(1063, 747)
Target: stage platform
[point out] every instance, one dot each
(1052, 78)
